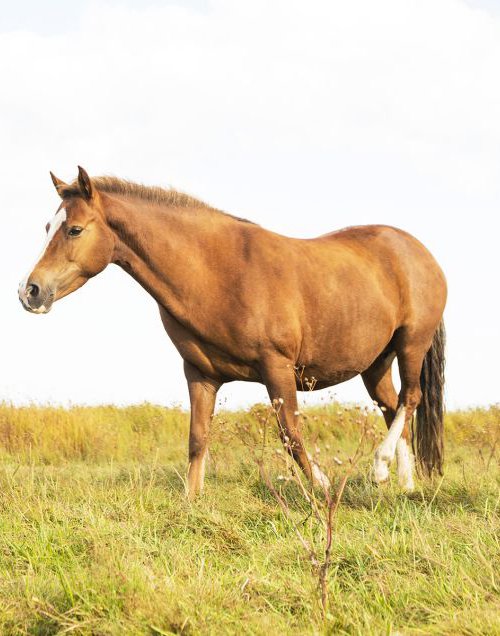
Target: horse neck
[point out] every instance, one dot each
(163, 248)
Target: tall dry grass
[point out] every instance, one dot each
(96, 535)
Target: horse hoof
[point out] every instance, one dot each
(380, 472)
(407, 485)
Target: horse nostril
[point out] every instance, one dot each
(32, 290)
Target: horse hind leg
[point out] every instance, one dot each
(378, 382)
(410, 359)
(411, 349)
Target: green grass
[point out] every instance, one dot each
(96, 536)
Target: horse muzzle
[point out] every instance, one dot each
(35, 298)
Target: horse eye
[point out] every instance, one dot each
(75, 231)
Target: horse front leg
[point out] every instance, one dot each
(202, 394)
(279, 378)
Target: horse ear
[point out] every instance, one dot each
(58, 183)
(85, 184)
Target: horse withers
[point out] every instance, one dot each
(243, 303)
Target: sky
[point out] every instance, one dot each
(304, 117)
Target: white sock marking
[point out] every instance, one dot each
(318, 475)
(386, 451)
(405, 465)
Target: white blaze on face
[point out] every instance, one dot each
(54, 225)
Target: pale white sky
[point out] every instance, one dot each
(303, 116)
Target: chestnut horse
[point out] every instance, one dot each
(243, 303)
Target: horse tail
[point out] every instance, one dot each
(429, 422)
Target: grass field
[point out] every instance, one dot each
(96, 536)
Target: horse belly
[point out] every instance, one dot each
(341, 349)
(307, 380)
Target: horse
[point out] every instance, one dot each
(241, 302)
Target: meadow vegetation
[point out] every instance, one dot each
(97, 537)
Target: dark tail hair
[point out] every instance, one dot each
(429, 425)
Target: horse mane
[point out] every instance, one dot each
(154, 194)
